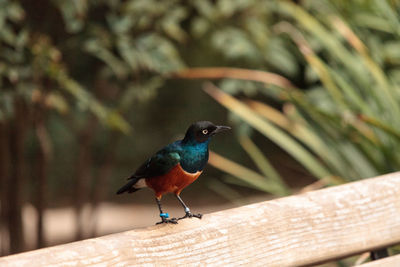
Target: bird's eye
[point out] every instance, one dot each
(205, 131)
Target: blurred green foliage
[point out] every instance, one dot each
(90, 74)
(340, 119)
(90, 61)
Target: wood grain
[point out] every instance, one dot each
(304, 229)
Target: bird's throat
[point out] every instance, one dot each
(195, 156)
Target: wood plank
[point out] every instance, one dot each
(304, 229)
(393, 261)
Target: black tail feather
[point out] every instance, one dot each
(129, 187)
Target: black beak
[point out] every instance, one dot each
(221, 129)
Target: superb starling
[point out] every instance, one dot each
(175, 166)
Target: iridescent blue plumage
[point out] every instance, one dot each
(191, 152)
(194, 155)
(175, 166)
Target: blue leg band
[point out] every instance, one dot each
(164, 215)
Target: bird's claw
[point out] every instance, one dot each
(198, 215)
(191, 215)
(164, 220)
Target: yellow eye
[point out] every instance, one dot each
(205, 131)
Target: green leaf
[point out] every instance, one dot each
(104, 114)
(263, 164)
(275, 134)
(246, 175)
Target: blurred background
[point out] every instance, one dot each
(90, 88)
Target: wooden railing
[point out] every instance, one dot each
(304, 229)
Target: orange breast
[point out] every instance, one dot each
(172, 182)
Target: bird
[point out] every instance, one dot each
(175, 166)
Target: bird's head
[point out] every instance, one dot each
(201, 131)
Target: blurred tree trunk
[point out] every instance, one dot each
(41, 168)
(102, 178)
(4, 178)
(83, 174)
(18, 127)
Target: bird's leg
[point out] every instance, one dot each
(188, 214)
(164, 216)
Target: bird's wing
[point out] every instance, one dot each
(159, 164)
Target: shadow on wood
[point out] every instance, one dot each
(304, 229)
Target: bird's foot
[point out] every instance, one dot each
(172, 220)
(164, 219)
(191, 215)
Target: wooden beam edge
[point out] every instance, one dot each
(303, 229)
(393, 261)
